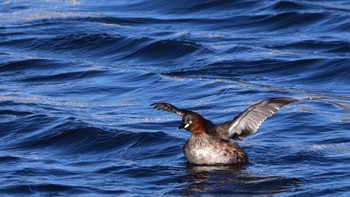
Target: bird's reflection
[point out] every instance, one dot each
(234, 179)
(201, 176)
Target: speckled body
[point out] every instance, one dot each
(208, 150)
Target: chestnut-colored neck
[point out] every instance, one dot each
(198, 126)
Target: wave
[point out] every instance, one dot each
(305, 70)
(105, 45)
(55, 188)
(30, 64)
(66, 136)
(64, 76)
(164, 50)
(335, 47)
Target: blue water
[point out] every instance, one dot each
(77, 78)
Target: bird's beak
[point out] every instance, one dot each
(184, 126)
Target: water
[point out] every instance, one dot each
(77, 78)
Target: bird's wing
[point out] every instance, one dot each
(250, 119)
(169, 107)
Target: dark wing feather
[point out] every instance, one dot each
(250, 119)
(168, 107)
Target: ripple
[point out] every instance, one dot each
(164, 50)
(289, 6)
(27, 64)
(49, 189)
(64, 76)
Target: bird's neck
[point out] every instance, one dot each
(198, 127)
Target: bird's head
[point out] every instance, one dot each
(192, 122)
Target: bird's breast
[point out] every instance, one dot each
(206, 150)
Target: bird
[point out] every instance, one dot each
(211, 144)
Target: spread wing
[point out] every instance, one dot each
(169, 107)
(250, 119)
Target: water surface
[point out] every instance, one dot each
(77, 78)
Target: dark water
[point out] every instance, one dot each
(77, 78)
